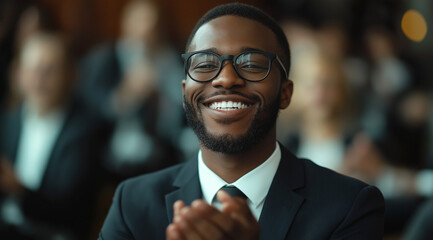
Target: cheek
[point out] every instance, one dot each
(193, 90)
(267, 91)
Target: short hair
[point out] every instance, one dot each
(250, 12)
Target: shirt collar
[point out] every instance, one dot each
(255, 184)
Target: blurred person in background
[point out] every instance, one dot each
(334, 40)
(20, 20)
(134, 82)
(398, 163)
(388, 76)
(325, 130)
(329, 41)
(392, 154)
(301, 38)
(49, 150)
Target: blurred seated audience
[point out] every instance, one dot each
(134, 83)
(389, 76)
(301, 38)
(328, 132)
(50, 146)
(399, 162)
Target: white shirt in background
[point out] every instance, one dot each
(327, 154)
(36, 142)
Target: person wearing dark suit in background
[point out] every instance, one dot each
(50, 149)
(237, 66)
(131, 83)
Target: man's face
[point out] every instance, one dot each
(252, 106)
(42, 74)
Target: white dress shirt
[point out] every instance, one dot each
(37, 140)
(329, 153)
(255, 184)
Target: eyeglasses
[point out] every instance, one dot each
(203, 66)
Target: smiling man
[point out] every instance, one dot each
(243, 184)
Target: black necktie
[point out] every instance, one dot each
(233, 191)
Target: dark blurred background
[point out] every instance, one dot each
(90, 94)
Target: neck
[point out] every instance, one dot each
(43, 110)
(231, 167)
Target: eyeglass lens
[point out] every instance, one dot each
(250, 66)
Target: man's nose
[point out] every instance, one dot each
(228, 77)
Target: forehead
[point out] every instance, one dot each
(38, 52)
(230, 34)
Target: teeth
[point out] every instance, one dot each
(228, 106)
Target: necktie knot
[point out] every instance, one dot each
(233, 191)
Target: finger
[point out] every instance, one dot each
(233, 225)
(187, 230)
(223, 223)
(237, 208)
(202, 222)
(233, 204)
(173, 232)
(177, 206)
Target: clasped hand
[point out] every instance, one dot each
(203, 221)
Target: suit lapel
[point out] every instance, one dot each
(12, 134)
(282, 203)
(188, 187)
(67, 130)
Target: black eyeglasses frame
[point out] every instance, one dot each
(270, 56)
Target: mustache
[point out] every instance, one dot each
(251, 97)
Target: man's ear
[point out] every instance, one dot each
(286, 93)
(183, 92)
(183, 87)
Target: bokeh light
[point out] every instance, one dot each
(414, 25)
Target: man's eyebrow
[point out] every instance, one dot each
(214, 50)
(243, 49)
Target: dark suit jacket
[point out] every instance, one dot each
(305, 201)
(63, 200)
(100, 74)
(421, 225)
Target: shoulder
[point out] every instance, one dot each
(341, 199)
(151, 185)
(320, 187)
(143, 196)
(81, 121)
(101, 51)
(100, 56)
(324, 176)
(328, 184)
(139, 209)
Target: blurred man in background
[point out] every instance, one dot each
(133, 83)
(49, 150)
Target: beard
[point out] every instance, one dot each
(263, 121)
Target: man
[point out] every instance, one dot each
(49, 148)
(124, 82)
(237, 63)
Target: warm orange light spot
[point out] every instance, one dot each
(414, 25)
